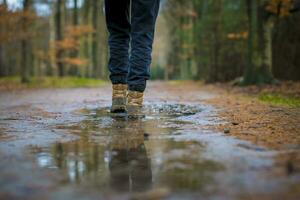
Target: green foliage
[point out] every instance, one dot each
(50, 82)
(200, 43)
(278, 99)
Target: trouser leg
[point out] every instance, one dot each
(118, 25)
(143, 18)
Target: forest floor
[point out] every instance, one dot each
(266, 115)
(197, 142)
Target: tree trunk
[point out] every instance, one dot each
(216, 40)
(74, 53)
(248, 73)
(59, 37)
(2, 65)
(86, 44)
(286, 48)
(104, 48)
(95, 53)
(2, 61)
(52, 64)
(75, 13)
(264, 46)
(259, 49)
(25, 46)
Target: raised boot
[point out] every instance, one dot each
(119, 98)
(135, 104)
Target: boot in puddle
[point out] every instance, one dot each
(119, 97)
(135, 104)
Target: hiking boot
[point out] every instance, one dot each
(119, 96)
(135, 104)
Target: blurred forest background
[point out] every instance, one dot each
(248, 41)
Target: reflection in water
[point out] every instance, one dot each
(121, 164)
(114, 158)
(130, 167)
(126, 155)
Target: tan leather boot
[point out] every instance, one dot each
(119, 98)
(135, 104)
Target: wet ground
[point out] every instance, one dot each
(64, 144)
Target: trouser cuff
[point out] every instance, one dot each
(138, 87)
(118, 80)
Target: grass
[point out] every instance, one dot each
(281, 100)
(50, 82)
(180, 82)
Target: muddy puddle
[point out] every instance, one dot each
(166, 155)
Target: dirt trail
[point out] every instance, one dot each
(64, 144)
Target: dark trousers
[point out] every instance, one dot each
(131, 27)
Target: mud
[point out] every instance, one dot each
(64, 144)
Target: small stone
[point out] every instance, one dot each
(226, 130)
(235, 123)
